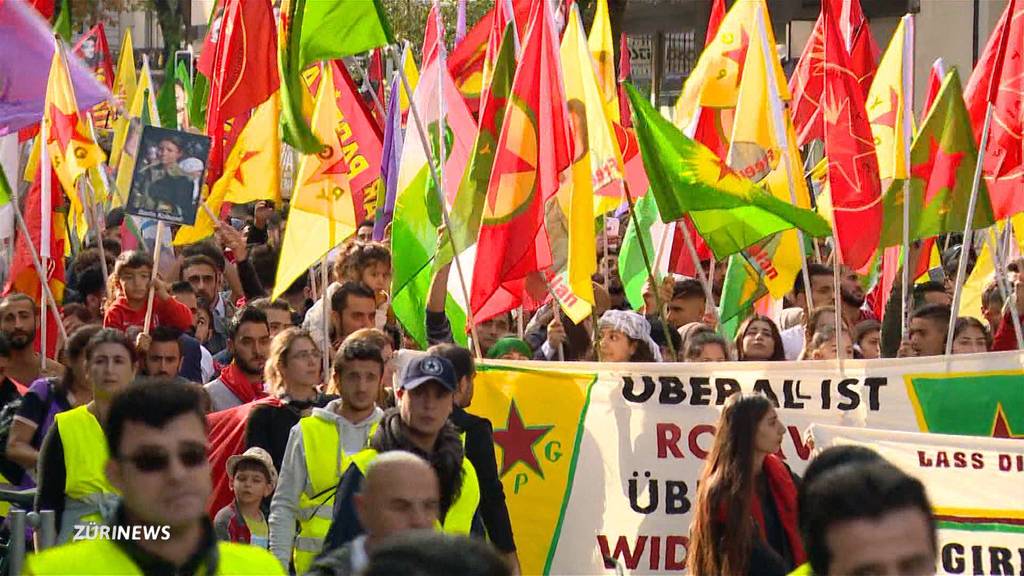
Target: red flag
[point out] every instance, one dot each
(714, 20)
(227, 438)
(45, 7)
(94, 51)
(209, 50)
(808, 80)
(850, 148)
(625, 69)
(533, 148)
(999, 78)
(433, 35)
(466, 62)
(375, 76)
(22, 276)
(709, 122)
(244, 71)
(361, 139)
(935, 76)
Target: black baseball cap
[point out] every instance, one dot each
(429, 368)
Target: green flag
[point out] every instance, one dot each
(632, 269)
(686, 177)
(942, 161)
(166, 99)
(62, 25)
(468, 207)
(322, 30)
(5, 189)
(742, 287)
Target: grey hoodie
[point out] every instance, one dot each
(294, 477)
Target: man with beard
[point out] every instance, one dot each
(19, 320)
(852, 296)
(241, 381)
(156, 437)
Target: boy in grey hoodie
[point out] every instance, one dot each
(317, 453)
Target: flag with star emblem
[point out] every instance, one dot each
(715, 81)
(808, 81)
(942, 161)
(998, 78)
(533, 149)
(125, 83)
(68, 140)
(472, 61)
(890, 111)
(850, 148)
(685, 176)
(537, 432)
(417, 215)
(94, 52)
(321, 215)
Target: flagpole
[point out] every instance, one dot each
(47, 294)
(45, 223)
(326, 310)
(94, 223)
(425, 142)
(1001, 281)
(709, 295)
(961, 270)
(557, 310)
(153, 276)
(650, 271)
(799, 234)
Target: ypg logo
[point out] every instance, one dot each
(519, 443)
(985, 404)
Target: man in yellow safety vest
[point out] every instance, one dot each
(419, 424)
(156, 437)
(318, 450)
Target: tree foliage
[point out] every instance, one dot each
(408, 18)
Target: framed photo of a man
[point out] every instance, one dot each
(169, 169)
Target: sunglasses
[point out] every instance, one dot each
(155, 460)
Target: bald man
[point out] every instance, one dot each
(400, 493)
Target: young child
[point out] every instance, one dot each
(370, 264)
(130, 290)
(253, 477)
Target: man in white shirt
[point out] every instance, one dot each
(822, 294)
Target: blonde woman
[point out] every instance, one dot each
(292, 374)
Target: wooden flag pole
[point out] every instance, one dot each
(650, 271)
(837, 295)
(425, 142)
(799, 234)
(961, 269)
(326, 324)
(557, 309)
(97, 225)
(153, 277)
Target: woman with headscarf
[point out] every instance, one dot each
(625, 336)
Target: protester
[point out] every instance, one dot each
(706, 346)
(758, 339)
(439, 328)
(867, 336)
(852, 297)
(668, 341)
(928, 327)
(353, 306)
(561, 338)
(156, 439)
(970, 336)
(479, 446)
(822, 294)
(426, 553)
(510, 348)
(625, 336)
(400, 493)
(825, 347)
(292, 375)
(992, 306)
(745, 512)
(130, 287)
(91, 286)
(364, 263)
(242, 381)
(71, 479)
(204, 273)
(279, 314)
(318, 448)
(19, 320)
(11, 474)
(46, 398)
(253, 478)
(868, 518)
(821, 318)
(419, 424)
(162, 355)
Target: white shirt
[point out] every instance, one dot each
(360, 559)
(793, 341)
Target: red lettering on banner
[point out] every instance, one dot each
(668, 440)
(630, 557)
(696, 431)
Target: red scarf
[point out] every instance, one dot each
(236, 381)
(783, 492)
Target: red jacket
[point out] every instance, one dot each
(1005, 337)
(166, 312)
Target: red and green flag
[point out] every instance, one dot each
(685, 176)
(942, 161)
(533, 149)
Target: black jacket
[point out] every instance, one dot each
(480, 451)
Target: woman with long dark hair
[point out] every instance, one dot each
(759, 339)
(745, 515)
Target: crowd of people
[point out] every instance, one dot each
(333, 466)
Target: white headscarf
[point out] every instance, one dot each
(633, 325)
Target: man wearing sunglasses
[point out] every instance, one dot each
(156, 436)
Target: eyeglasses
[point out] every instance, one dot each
(154, 460)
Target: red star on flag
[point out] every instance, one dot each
(939, 172)
(887, 118)
(64, 128)
(517, 441)
(236, 174)
(332, 163)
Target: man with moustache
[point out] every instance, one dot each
(241, 381)
(156, 436)
(19, 320)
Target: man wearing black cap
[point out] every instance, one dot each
(419, 424)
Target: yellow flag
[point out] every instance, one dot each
(980, 277)
(125, 83)
(603, 51)
(322, 214)
(889, 110)
(412, 74)
(143, 107)
(68, 141)
(715, 80)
